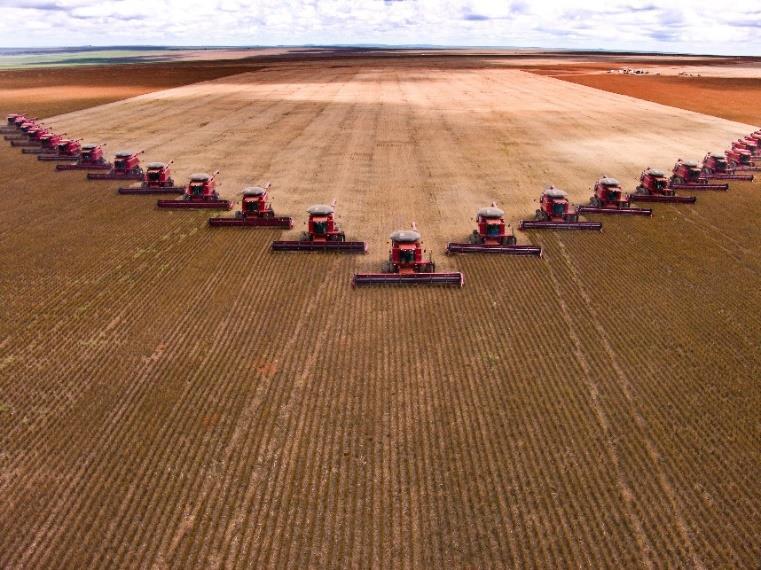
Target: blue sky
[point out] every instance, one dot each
(696, 26)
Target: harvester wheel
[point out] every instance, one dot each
(509, 240)
(595, 202)
(474, 237)
(677, 180)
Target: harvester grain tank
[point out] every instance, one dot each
(654, 187)
(65, 150)
(687, 175)
(201, 193)
(157, 179)
(407, 265)
(323, 234)
(126, 167)
(90, 158)
(556, 213)
(491, 236)
(609, 198)
(255, 211)
(715, 167)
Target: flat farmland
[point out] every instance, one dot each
(173, 396)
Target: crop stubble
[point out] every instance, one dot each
(181, 397)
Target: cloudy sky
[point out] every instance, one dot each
(696, 26)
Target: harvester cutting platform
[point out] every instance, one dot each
(716, 167)
(65, 150)
(491, 236)
(201, 193)
(687, 175)
(654, 187)
(556, 213)
(90, 158)
(407, 266)
(126, 167)
(609, 198)
(157, 179)
(255, 211)
(323, 234)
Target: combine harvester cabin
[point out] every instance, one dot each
(491, 236)
(157, 179)
(406, 265)
(323, 234)
(66, 150)
(126, 167)
(654, 187)
(255, 211)
(716, 167)
(609, 198)
(687, 175)
(556, 213)
(90, 158)
(201, 193)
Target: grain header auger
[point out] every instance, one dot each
(556, 213)
(201, 193)
(255, 211)
(323, 234)
(406, 265)
(126, 167)
(687, 175)
(741, 160)
(157, 179)
(491, 236)
(609, 198)
(65, 150)
(654, 187)
(90, 158)
(715, 167)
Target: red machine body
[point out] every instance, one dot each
(66, 149)
(740, 159)
(90, 158)
(10, 126)
(21, 132)
(716, 167)
(48, 144)
(323, 234)
(157, 179)
(654, 187)
(557, 213)
(32, 140)
(609, 198)
(687, 175)
(255, 211)
(491, 236)
(200, 193)
(407, 265)
(126, 167)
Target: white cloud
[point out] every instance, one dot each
(682, 25)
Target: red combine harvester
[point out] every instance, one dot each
(715, 167)
(749, 143)
(323, 234)
(22, 130)
(156, 180)
(491, 236)
(126, 167)
(654, 187)
(609, 198)
(255, 211)
(556, 213)
(90, 158)
(10, 126)
(740, 160)
(48, 144)
(406, 265)
(33, 138)
(687, 175)
(201, 193)
(66, 149)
